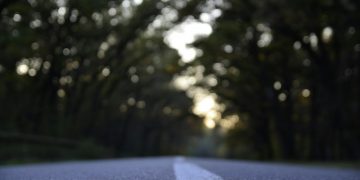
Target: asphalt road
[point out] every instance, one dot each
(173, 168)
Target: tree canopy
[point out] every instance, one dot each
(269, 79)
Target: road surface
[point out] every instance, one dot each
(173, 168)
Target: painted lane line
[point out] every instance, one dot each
(188, 171)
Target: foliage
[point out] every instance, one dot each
(292, 74)
(91, 79)
(94, 70)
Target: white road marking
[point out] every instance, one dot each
(188, 171)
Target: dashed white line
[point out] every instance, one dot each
(188, 171)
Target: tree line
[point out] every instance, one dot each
(90, 79)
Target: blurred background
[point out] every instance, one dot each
(242, 79)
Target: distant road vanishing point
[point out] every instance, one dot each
(173, 168)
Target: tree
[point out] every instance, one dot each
(90, 72)
(281, 65)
